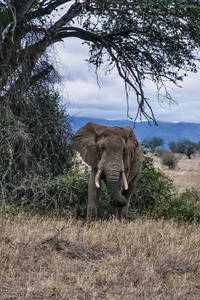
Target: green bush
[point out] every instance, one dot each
(68, 191)
(53, 195)
(57, 195)
(154, 187)
(184, 207)
(157, 198)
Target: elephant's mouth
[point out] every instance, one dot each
(97, 179)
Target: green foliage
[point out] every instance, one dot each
(104, 202)
(153, 38)
(152, 143)
(153, 188)
(157, 198)
(52, 195)
(68, 191)
(63, 194)
(181, 208)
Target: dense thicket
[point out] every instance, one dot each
(36, 143)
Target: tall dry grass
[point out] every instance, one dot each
(50, 259)
(186, 174)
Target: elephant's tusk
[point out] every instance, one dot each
(125, 181)
(97, 177)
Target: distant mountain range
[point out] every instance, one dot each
(168, 131)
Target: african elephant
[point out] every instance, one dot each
(115, 157)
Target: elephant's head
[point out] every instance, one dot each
(111, 151)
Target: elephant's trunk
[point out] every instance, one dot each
(113, 183)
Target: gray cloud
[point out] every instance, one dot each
(109, 101)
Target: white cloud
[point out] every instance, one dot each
(109, 101)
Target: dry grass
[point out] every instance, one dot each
(186, 175)
(43, 258)
(49, 259)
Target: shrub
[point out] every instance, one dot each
(56, 195)
(183, 207)
(159, 152)
(157, 198)
(65, 192)
(169, 159)
(154, 187)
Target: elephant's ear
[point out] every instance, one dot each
(85, 143)
(131, 141)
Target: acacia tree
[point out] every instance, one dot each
(152, 143)
(172, 146)
(143, 39)
(186, 147)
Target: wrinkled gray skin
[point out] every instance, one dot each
(111, 152)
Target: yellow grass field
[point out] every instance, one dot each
(64, 260)
(186, 174)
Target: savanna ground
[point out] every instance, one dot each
(43, 258)
(186, 174)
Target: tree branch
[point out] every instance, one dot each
(73, 12)
(43, 11)
(88, 36)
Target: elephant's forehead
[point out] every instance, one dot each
(114, 131)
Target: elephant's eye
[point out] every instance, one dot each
(101, 148)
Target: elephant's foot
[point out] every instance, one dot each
(91, 213)
(116, 212)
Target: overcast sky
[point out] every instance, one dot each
(87, 99)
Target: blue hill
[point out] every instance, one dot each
(168, 131)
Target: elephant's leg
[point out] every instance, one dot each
(93, 197)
